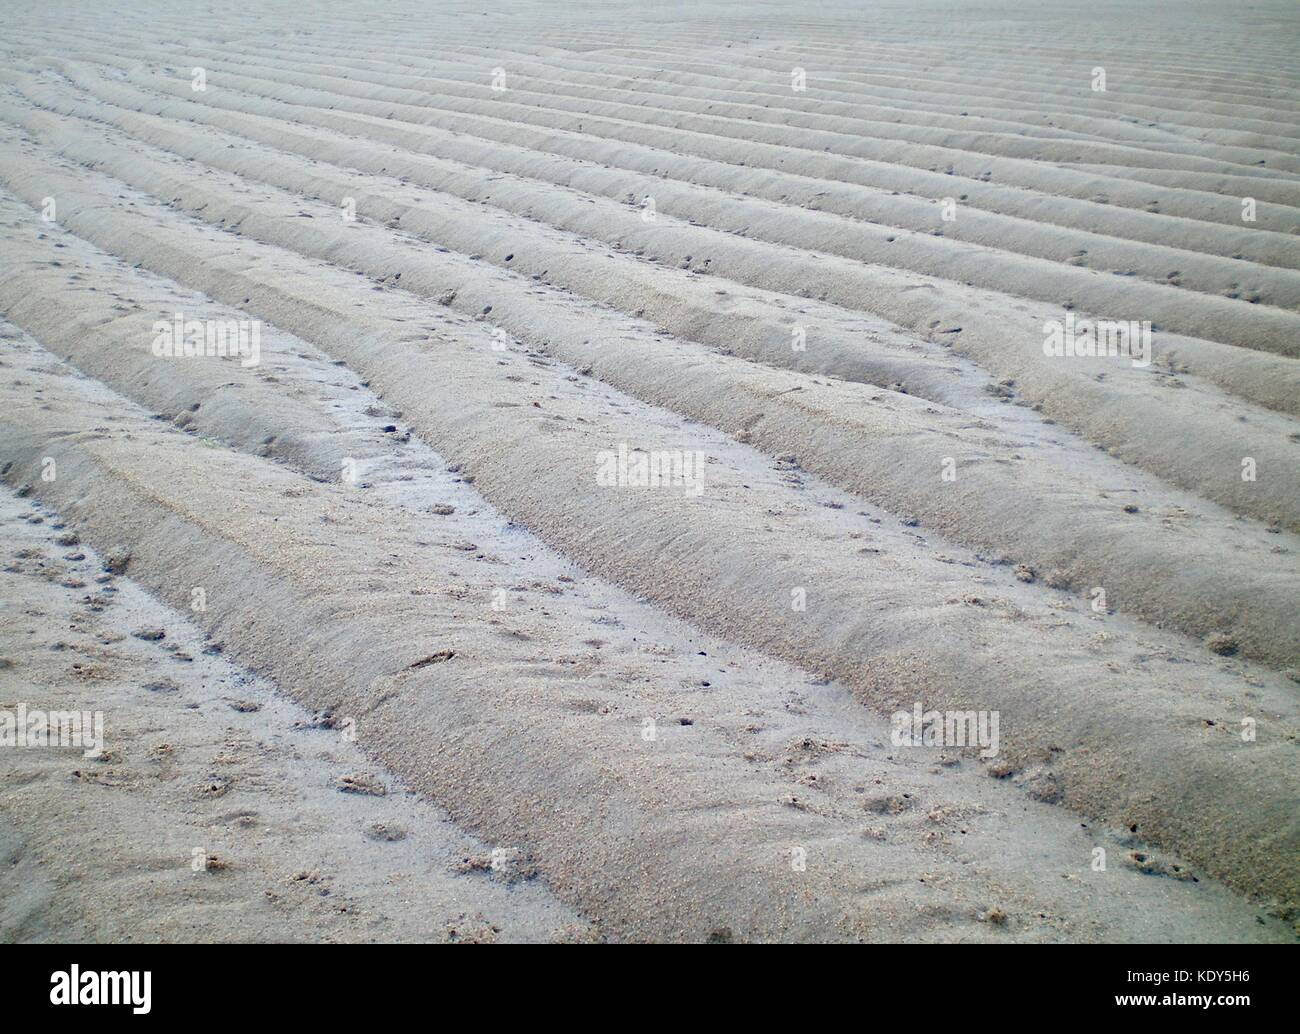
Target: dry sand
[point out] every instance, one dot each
(447, 682)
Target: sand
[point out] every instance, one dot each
(609, 711)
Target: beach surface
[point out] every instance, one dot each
(610, 472)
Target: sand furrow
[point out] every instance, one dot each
(781, 148)
(691, 842)
(1125, 431)
(907, 83)
(814, 185)
(868, 636)
(992, 471)
(563, 69)
(1265, 380)
(790, 147)
(1227, 159)
(770, 222)
(633, 411)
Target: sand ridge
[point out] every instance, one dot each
(818, 252)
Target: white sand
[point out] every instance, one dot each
(886, 443)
